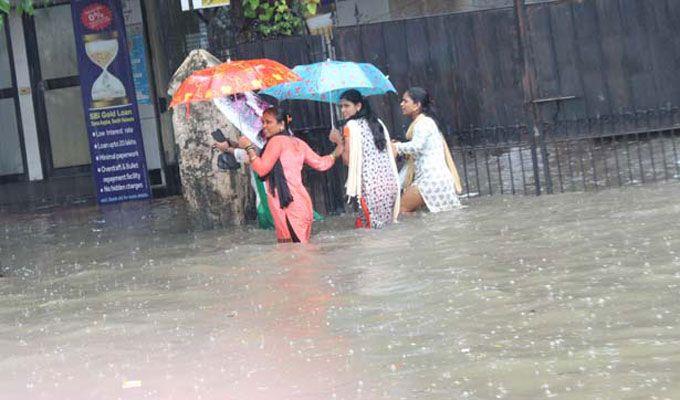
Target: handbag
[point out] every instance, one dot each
(227, 162)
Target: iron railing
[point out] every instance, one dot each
(571, 155)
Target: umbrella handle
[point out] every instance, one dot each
(330, 107)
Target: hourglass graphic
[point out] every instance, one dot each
(107, 90)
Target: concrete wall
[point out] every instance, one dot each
(355, 12)
(401, 9)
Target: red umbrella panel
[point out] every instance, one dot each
(230, 78)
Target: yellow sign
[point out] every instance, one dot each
(210, 3)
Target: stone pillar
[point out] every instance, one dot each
(215, 198)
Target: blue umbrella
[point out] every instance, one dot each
(326, 81)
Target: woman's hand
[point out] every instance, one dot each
(221, 146)
(339, 149)
(335, 137)
(244, 142)
(395, 150)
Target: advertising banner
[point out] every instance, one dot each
(109, 100)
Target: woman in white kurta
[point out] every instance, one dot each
(431, 178)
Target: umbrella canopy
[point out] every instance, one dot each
(230, 78)
(327, 80)
(196, 60)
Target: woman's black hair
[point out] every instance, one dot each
(354, 97)
(281, 116)
(420, 95)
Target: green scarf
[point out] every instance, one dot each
(264, 216)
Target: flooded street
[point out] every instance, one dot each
(571, 296)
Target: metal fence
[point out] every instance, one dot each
(571, 155)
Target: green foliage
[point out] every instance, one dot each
(263, 18)
(18, 6)
(4, 7)
(25, 6)
(272, 18)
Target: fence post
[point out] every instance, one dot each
(532, 111)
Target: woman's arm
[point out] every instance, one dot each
(240, 155)
(345, 150)
(416, 144)
(264, 164)
(341, 139)
(221, 146)
(318, 162)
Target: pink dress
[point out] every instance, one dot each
(294, 153)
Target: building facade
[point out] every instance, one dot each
(44, 151)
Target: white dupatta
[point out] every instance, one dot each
(353, 184)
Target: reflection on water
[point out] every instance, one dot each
(570, 296)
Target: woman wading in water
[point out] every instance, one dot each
(372, 177)
(281, 167)
(431, 178)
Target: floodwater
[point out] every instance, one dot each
(571, 296)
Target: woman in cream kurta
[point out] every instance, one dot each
(431, 176)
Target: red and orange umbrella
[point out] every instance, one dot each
(230, 78)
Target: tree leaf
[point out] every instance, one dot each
(265, 29)
(27, 6)
(4, 7)
(267, 13)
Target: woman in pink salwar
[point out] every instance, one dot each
(280, 166)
